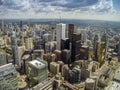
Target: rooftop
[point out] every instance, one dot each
(7, 69)
(115, 86)
(37, 64)
(89, 80)
(117, 76)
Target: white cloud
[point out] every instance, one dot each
(55, 8)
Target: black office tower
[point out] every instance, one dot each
(66, 56)
(65, 43)
(70, 31)
(76, 45)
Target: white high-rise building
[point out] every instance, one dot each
(60, 34)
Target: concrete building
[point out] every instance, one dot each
(65, 72)
(50, 47)
(60, 34)
(47, 37)
(37, 71)
(26, 58)
(39, 53)
(90, 84)
(117, 76)
(86, 73)
(21, 50)
(7, 40)
(91, 53)
(38, 43)
(8, 77)
(29, 43)
(61, 64)
(54, 68)
(2, 42)
(84, 35)
(3, 58)
(114, 86)
(105, 76)
(58, 55)
(52, 57)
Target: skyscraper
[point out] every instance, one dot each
(100, 52)
(104, 38)
(14, 48)
(95, 43)
(65, 56)
(76, 45)
(70, 31)
(60, 34)
(65, 43)
(84, 36)
(75, 75)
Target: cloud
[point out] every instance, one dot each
(104, 6)
(36, 7)
(75, 3)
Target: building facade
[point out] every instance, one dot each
(60, 34)
(8, 77)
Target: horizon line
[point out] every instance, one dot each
(58, 19)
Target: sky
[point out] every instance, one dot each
(68, 9)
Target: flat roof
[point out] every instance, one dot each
(37, 64)
(61, 24)
(115, 86)
(117, 75)
(7, 69)
(89, 80)
(84, 46)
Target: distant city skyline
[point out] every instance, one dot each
(67, 9)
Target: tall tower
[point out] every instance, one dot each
(104, 38)
(96, 38)
(14, 48)
(60, 34)
(70, 31)
(84, 36)
(76, 45)
(100, 52)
